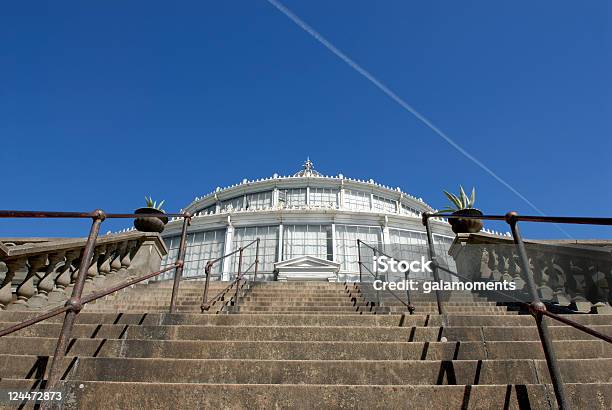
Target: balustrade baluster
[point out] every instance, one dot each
(126, 260)
(495, 264)
(45, 285)
(6, 290)
(542, 275)
(115, 264)
(26, 289)
(92, 273)
(63, 279)
(103, 266)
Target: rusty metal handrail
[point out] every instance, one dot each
(537, 308)
(528, 306)
(82, 215)
(206, 303)
(408, 305)
(362, 264)
(76, 301)
(579, 220)
(84, 300)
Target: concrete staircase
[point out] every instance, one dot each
(307, 345)
(155, 297)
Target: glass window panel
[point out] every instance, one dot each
(201, 247)
(383, 204)
(259, 200)
(346, 244)
(408, 210)
(307, 240)
(208, 210)
(323, 197)
(292, 197)
(412, 245)
(232, 204)
(268, 248)
(358, 200)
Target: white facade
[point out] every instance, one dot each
(304, 215)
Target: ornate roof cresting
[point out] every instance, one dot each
(308, 170)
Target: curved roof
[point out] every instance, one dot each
(307, 176)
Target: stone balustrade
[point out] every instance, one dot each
(37, 273)
(573, 273)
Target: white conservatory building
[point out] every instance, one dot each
(306, 221)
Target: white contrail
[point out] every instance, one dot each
(400, 101)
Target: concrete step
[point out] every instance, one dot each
(147, 296)
(342, 302)
(312, 333)
(289, 300)
(247, 301)
(102, 395)
(141, 309)
(148, 302)
(144, 305)
(338, 371)
(419, 298)
(363, 311)
(303, 333)
(339, 333)
(156, 302)
(293, 308)
(299, 284)
(331, 300)
(306, 350)
(269, 291)
(185, 284)
(291, 320)
(330, 372)
(349, 308)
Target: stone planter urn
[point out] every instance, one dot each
(464, 225)
(150, 224)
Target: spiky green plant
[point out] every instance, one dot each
(460, 202)
(153, 204)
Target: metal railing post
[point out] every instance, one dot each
(376, 277)
(359, 259)
(207, 270)
(74, 302)
(537, 308)
(256, 260)
(238, 275)
(178, 272)
(432, 256)
(410, 309)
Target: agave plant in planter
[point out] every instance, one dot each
(463, 205)
(151, 224)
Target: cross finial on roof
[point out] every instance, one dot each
(308, 170)
(308, 165)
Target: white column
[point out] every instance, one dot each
(227, 248)
(333, 229)
(386, 236)
(275, 197)
(280, 243)
(307, 195)
(341, 199)
(371, 202)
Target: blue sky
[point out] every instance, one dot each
(103, 104)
